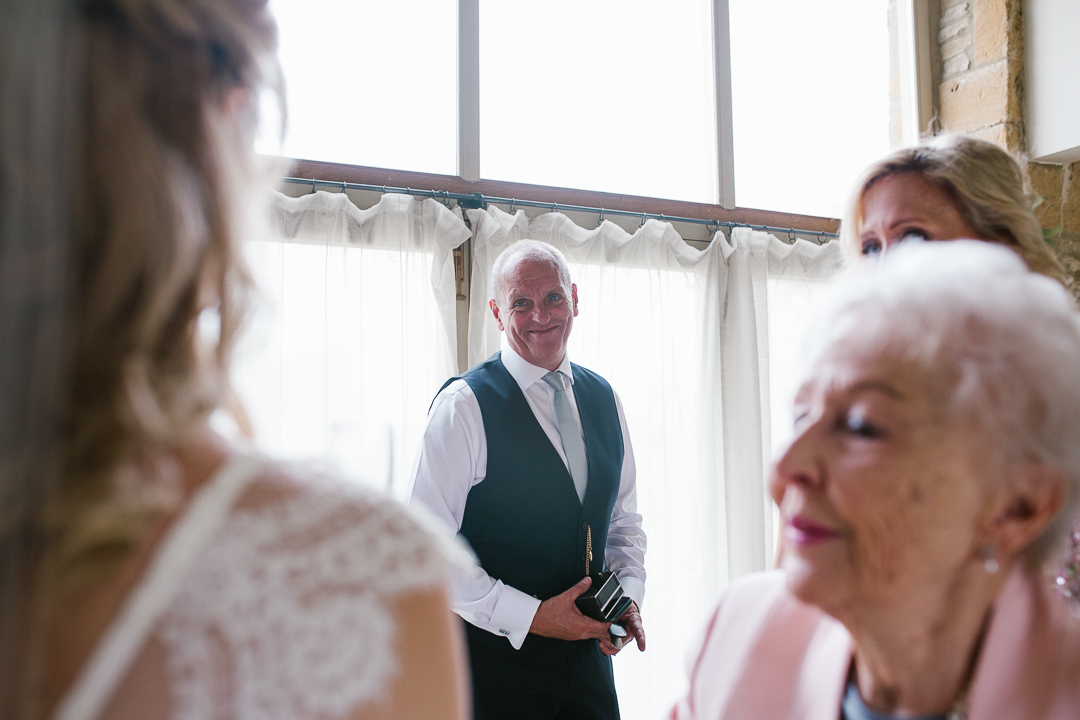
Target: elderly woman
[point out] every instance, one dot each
(148, 568)
(934, 469)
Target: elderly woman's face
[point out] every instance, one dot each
(908, 205)
(880, 492)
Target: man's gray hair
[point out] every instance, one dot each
(532, 250)
(1001, 344)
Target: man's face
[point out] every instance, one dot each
(536, 312)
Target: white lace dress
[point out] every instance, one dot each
(277, 609)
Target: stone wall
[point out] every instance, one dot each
(981, 93)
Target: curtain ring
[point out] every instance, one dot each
(791, 235)
(312, 186)
(513, 206)
(600, 221)
(643, 218)
(554, 207)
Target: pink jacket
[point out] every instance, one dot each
(768, 655)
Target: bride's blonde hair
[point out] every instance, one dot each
(162, 187)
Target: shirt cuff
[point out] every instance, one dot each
(633, 589)
(513, 615)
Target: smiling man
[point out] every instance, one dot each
(528, 456)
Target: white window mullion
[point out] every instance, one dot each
(725, 143)
(468, 158)
(916, 89)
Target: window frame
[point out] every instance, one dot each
(916, 102)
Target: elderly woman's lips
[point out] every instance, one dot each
(801, 531)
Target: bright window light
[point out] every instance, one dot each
(810, 100)
(370, 83)
(612, 95)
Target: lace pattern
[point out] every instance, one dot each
(287, 615)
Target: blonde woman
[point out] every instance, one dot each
(150, 569)
(953, 187)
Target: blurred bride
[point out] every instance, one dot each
(147, 567)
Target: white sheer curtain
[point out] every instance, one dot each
(684, 337)
(771, 293)
(353, 333)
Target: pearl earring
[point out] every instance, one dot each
(989, 558)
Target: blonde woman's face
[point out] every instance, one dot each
(908, 205)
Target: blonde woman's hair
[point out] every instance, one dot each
(164, 183)
(984, 181)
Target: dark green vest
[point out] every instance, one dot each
(524, 520)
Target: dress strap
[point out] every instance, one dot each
(109, 662)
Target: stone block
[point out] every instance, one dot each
(955, 65)
(1067, 249)
(977, 99)
(992, 35)
(996, 134)
(952, 12)
(1070, 199)
(1047, 180)
(954, 47)
(954, 29)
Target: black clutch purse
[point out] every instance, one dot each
(604, 600)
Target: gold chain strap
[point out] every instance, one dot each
(588, 547)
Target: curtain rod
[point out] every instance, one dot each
(479, 200)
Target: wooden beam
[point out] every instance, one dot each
(317, 170)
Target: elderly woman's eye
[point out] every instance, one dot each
(871, 247)
(856, 424)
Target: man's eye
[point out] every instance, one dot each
(871, 247)
(520, 303)
(554, 297)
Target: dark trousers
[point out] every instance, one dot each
(578, 686)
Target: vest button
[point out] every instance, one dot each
(584, 526)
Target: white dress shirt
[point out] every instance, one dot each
(453, 458)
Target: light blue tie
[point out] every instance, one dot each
(570, 432)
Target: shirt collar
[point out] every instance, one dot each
(526, 374)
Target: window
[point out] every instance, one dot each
(604, 95)
(616, 96)
(370, 83)
(810, 100)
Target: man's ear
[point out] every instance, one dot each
(1035, 495)
(495, 311)
(573, 296)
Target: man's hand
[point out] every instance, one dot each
(631, 620)
(558, 617)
